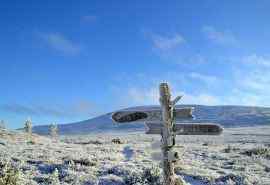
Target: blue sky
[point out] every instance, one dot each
(64, 61)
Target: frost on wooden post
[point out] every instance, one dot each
(168, 137)
(54, 130)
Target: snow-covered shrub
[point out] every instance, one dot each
(152, 175)
(10, 175)
(111, 179)
(50, 168)
(232, 179)
(133, 178)
(54, 177)
(145, 176)
(260, 152)
(117, 141)
(80, 161)
(228, 149)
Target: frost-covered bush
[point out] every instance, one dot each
(50, 168)
(133, 178)
(10, 175)
(152, 175)
(228, 149)
(111, 179)
(232, 179)
(145, 176)
(149, 176)
(54, 177)
(117, 141)
(260, 152)
(80, 161)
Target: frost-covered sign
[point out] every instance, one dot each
(168, 121)
(149, 115)
(185, 128)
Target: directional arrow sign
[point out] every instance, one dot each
(186, 128)
(149, 115)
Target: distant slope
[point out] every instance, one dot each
(228, 116)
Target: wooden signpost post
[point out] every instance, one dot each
(168, 137)
(162, 121)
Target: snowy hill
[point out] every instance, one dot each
(227, 116)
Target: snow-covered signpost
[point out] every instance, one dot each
(168, 136)
(162, 121)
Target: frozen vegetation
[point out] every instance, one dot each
(240, 156)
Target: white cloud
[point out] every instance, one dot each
(252, 80)
(239, 96)
(254, 74)
(219, 37)
(202, 99)
(137, 96)
(150, 96)
(165, 43)
(255, 59)
(141, 96)
(246, 83)
(210, 80)
(60, 43)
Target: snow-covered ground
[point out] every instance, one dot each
(239, 156)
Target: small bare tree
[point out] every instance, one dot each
(28, 129)
(28, 126)
(2, 125)
(54, 130)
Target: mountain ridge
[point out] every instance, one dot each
(225, 115)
